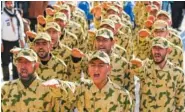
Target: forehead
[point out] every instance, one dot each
(51, 29)
(101, 37)
(159, 30)
(96, 61)
(158, 47)
(8, 2)
(40, 41)
(162, 16)
(22, 59)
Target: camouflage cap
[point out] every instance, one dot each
(73, 3)
(101, 55)
(62, 16)
(160, 25)
(113, 8)
(42, 35)
(28, 54)
(104, 32)
(162, 12)
(65, 7)
(117, 3)
(53, 25)
(160, 41)
(115, 18)
(108, 22)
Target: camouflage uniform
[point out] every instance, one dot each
(54, 68)
(173, 38)
(162, 90)
(120, 65)
(15, 97)
(68, 38)
(141, 47)
(176, 56)
(110, 98)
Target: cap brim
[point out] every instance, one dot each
(26, 57)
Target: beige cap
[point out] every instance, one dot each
(104, 32)
(101, 55)
(53, 25)
(42, 35)
(29, 54)
(160, 25)
(160, 41)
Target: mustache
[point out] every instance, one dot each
(23, 70)
(41, 50)
(157, 54)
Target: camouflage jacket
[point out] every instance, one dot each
(55, 68)
(111, 98)
(36, 98)
(162, 90)
(119, 74)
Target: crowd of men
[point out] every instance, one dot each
(65, 66)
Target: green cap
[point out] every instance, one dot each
(104, 32)
(28, 54)
(53, 25)
(101, 55)
(108, 22)
(42, 35)
(62, 16)
(160, 41)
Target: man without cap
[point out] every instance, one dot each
(27, 94)
(12, 33)
(162, 83)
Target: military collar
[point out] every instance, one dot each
(106, 88)
(32, 86)
(165, 68)
(50, 63)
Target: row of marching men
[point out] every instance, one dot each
(68, 51)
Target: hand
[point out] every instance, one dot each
(41, 20)
(56, 7)
(148, 8)
(31, 34)
(151, 17)
(96, 11)
(77, 53)
(105, 5)
(136, 62)
(15, 50)
(148, 23)
(51, 83)
(50, 11)
(144, 33)
(2, 48)
(91, 33)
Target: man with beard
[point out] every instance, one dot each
(161, 28)
(162, 83)
(50, 66)
(12, 32)
(27, 94)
